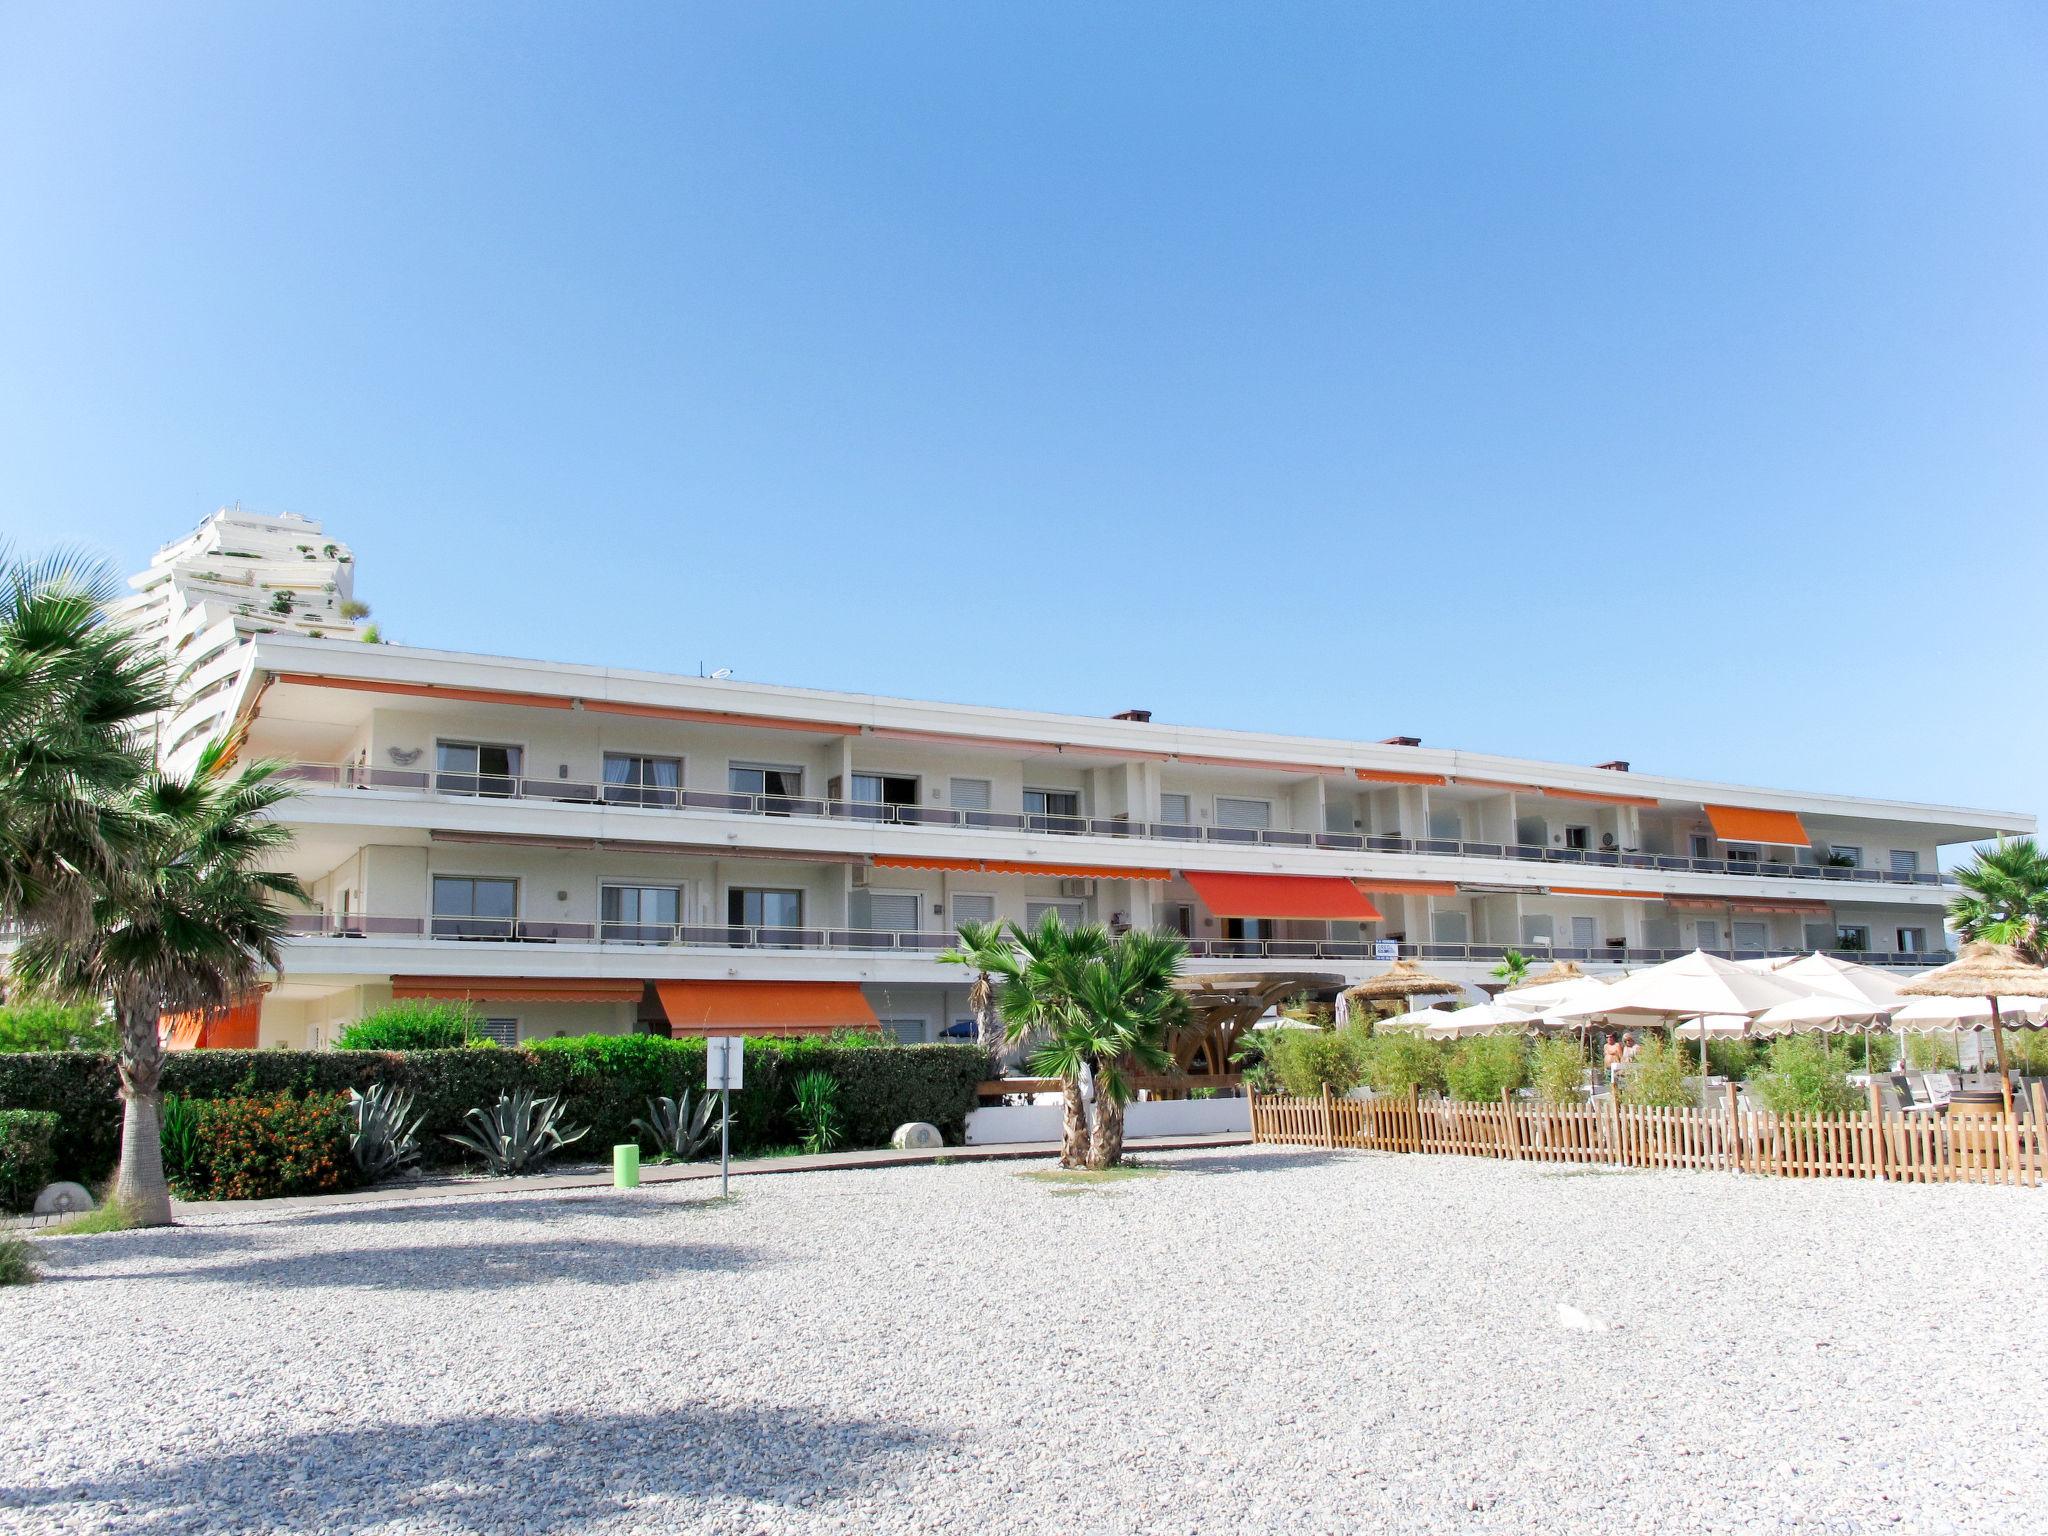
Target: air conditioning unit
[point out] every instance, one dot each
(860, 877)
(1077, 887)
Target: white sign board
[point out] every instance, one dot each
(724, 1062)
(1386, 949)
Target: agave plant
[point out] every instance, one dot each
(677, 1130)
(518, 1133)
(384, 1136)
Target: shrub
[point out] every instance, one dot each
(178, 1124)
(1732, 1059)
(1930, 1052)
(1486, 1066)
(383, 1133)
(38, 1026)
(817, 1112)
(27, 1156)
(2026, 1051)
(264, 1148)
(1306, 1061)
(17, 1260)
(1557, 1067)
(1399, 1061)
(415, 1024)
(1806, 1075)
(1657, 1079)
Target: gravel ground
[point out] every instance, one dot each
(1254, 1340)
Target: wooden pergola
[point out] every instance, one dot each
(1220, 1008)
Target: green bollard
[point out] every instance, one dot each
(626, 1165)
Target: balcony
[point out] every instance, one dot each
(520, 930)
(472, 786)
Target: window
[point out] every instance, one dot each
(1446, 826)
(904, 1031)
(1816, 936)
(630, 779)
(771, 780)
(1069, 912)
(884, 789)
(641, 914)
(1585, 933)
(1910, 941)
(1905, 861)
(1178, 918)
(1175, 810)
(1578, 837)
(1706, 934)
(1852, 936)
(477, 768)
(504, 1031)
(1702, 846)
(970, 794)
(1745, 855)
(893, 911)
(754, 908)
(1752, 935)
(1053, 809)
(1249, 930)
(1450, 928)
(1538, 928)
(466, 907)
(1248, 815)
(1845, 856)
(973, 909)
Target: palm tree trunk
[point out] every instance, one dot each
(1074, 1141)
(139, 1186)
(1108, 1148)
(988, 1025)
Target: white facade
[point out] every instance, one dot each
(497, 825)
(237, 575)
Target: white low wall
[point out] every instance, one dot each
(1165, 1117)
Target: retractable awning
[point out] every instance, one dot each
(1741, 824)
(233, 1028)
(1758, 904)
(518, 989)
(764, 1007)
(1316, 896)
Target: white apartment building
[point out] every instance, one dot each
(582, 849)
(237, 575)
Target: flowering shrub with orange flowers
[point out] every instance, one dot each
(262, 1148)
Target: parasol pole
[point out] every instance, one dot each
(1998, 1044)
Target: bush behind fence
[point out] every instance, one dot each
(605, 1080)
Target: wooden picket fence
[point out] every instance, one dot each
(1869, 1143)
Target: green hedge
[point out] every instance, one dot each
(606, 1079)
(27, 1156)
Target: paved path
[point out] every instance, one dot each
(599, 1176)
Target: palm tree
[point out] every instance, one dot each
(981, 946)
(76, 693)
(1513, 967)
(1038, 979)
(188, 924)
(2005, 897)
(1127, 1006)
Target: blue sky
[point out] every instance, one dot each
(1578, 381)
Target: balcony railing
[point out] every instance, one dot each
(520, 930)
(474, 786)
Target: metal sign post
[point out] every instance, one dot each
(724, 1068)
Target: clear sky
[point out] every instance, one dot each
(1577, 381)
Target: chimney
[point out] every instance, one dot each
(1400, 741)
(1142, 716)
(1616, 765)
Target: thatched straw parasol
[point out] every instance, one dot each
(1989, 971)
(1562, 970)
(1402, 980)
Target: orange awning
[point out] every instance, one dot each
(1512, 788)
(1598, 797)
(233, 1028)
(1601, 890)
(1012, 867)
(519, 989)
(1326, 896)
(1746, 904)
(1739, 824)
(1396, 776)
(1407, 887)
(764, 1007)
